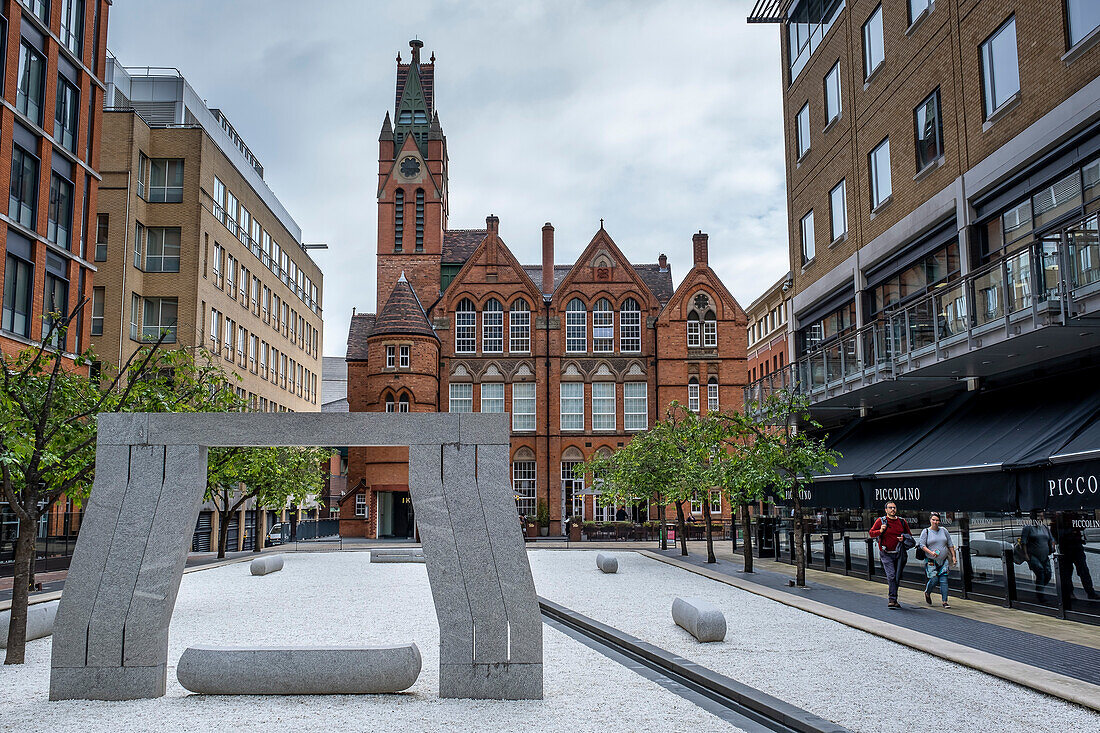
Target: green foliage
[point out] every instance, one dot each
(542, 513)
(274, 477)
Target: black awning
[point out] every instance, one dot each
(973, 459)
(1071, 477)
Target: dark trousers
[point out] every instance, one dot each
(1075, 559)
(1040, 566)
(892, 565)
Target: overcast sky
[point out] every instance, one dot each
(663, 118)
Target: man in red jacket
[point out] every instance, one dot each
(891, 551)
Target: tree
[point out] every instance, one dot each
(785, 455)
(743, 475)
(48, 408)
(271, 476)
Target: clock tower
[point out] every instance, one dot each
(412, 184)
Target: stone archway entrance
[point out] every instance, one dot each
(111, 634)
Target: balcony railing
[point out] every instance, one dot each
(1048, 282)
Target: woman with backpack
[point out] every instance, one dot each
(938, 549)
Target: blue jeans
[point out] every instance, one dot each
(892, 566)
(939, 579)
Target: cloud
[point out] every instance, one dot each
(663, 118)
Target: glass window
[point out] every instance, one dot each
(18, 285)
(32, 78)
(1000, 70)
(1057, 199)
(97, 311)
(874, 50)
(710, 330)
(635, 405)
(603, 326)
(809, 22)
(55, 306)
(166, 181)
(391, 406)
(404, 357)
(917, 8)
(572, 406)
(523, 486)
(523, 406)
(361, 504)
(23, 191)
(462, 397)
(391, 355)
(832, 94)
(465, 327)
(803, 131)
(694, 332)
(806, 233)
(929, 130)
(398, 219)
(603, 405)
(102, 226)
(160, 316)
(576, 326)
(66, 114)
(492, 327)
(1082, 18)
(40, 8)
(492, 397)
(72, 25)
(881, 188)
(838, 210)
(519, 325)
(693, 394)
(712, 395)
(59, 217)
(231, 212)
(139, 242)
(419, 220)
(630, 326)
(162, 249)
(402, 402)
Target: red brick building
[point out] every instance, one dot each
(582, 355)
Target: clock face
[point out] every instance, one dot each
(410, 167)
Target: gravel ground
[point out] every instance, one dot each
(340, 598)
(861, 681)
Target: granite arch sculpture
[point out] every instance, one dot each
(111, 635)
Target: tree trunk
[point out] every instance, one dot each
(706, 526)
(20, 591)
(661, 520)
(681, 528)
(258, 539)
(799, 544)
(746, 545)
(223, 533)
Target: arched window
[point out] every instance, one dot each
(712, 395)
(523, 481)
(694, 339)
(465, 327)
(576, 327)
(710, 330)
(403, 402)
(693, 395)
(603, 326)
(390, 406)
(492, 327)
(398, 220)
(630, 326)
(572, 485)
(519, 324)
(419, 220)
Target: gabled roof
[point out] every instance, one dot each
(403, 313)
(657, 280)
(459, 244)
(358, 332)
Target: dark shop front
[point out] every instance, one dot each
(1014, 473)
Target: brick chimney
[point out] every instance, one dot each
(547, 258)
(662, 262)
(699, 248)
(492, 223)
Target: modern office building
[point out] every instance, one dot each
(52, 85)
(583, 355)
(191, 242)
(943, 175)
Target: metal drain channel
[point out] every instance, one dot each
(736, 703)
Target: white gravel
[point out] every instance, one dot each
(340, 598)
(853, 678)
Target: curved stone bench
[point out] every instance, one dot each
(299, 670)
(607, 563)
(40, 618)
(268, 564)
(402, 554)
(702, 619)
